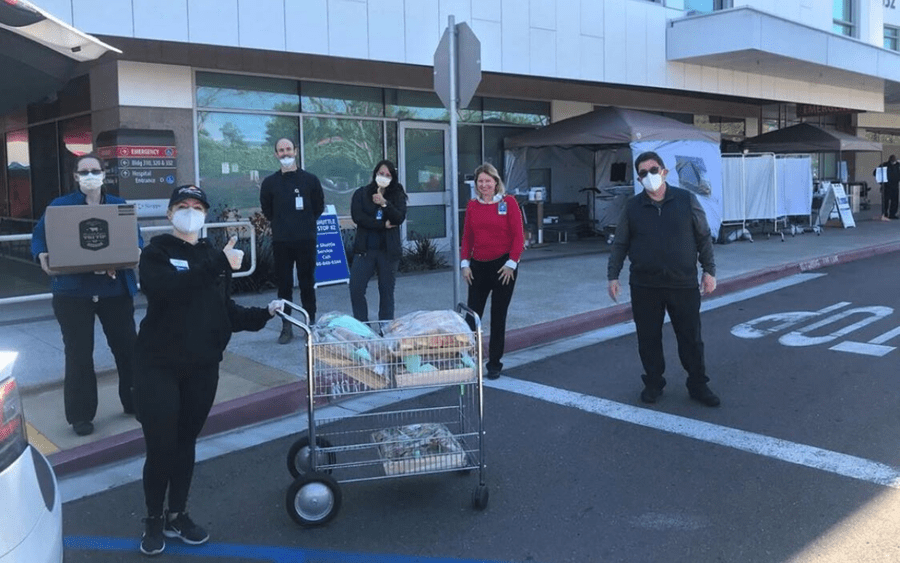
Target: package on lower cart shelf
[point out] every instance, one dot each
(418, 448)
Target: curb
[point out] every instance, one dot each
(290, 398)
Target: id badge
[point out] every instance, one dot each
(501, 208)
(379, 214)
(180, 265)
(298, 203)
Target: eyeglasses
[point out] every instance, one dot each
(643, 173)
(84, 173)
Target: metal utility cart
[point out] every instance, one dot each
(387, 407)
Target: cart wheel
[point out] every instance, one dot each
(298, 458)
(480, 497)
(313, 499)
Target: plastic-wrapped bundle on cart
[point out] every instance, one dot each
(342, 342)
(418, 448)
(424, 331)
(434, 347)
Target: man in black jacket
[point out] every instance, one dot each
(292, 200)
(890, 189)
(663, 231)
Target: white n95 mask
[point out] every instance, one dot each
(188, 221)
(652, 182)
(382, 181)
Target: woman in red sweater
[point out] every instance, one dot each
(492, 244)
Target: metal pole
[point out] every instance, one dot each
(454, 162)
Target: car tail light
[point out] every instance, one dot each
(12, 423)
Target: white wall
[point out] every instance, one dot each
(609, 41)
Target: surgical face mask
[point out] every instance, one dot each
(382, 181)
(90, 182)
(188, 221)
(652, 182)
(286, 162)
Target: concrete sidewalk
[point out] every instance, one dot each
(561, 291)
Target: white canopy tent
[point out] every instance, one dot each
(597, 150)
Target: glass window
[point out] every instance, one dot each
(426, 222)
(424, 160)
(392, 143)
(342, 153)
(215, 90)
(493, 145)
(409, 104)
(43, 149)
(842, 13)
(236, 151)
(75, 139)
(891, 38)
(516, 112)
(18, 175)
(340, 99)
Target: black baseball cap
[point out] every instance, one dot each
(188, 191)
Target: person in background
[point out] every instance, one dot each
(492, 244)
(664, 232)
(890, 189)
(79, 298)
(189, 321)
(378, 209)
(292, 200)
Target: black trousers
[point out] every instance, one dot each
(302, 255)
(76, 322)
(891, 195)
(486, 282)
(648, 307)
(364, 267)
(173, 403)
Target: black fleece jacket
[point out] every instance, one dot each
(190, 313)
(364, 213)
(663, 240)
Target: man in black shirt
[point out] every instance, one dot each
(664, 232)
(292, 200)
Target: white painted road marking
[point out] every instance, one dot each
(791, 452)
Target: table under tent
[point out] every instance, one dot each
(772, 183)
(588, 160)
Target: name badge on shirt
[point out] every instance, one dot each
(180, 265)
(501, 208)
(298, 203)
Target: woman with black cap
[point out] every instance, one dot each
(189, 321)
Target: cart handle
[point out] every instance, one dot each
(467, 312)
(285, 315)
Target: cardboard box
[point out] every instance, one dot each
(89, 238)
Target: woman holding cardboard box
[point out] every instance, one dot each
(80, 297)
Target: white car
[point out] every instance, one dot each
(31, 513)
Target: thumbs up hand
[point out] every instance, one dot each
(235, 256)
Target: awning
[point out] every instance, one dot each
(38, 53)
(806, 137)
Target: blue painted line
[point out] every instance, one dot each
(253, 552)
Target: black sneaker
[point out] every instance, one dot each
(704, 395)
(181, 526)
(492, 373)
(153, 542)
(83, 428)
(651, 394)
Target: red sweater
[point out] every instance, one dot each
(488, 235)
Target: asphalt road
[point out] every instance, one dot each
(800, 463)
